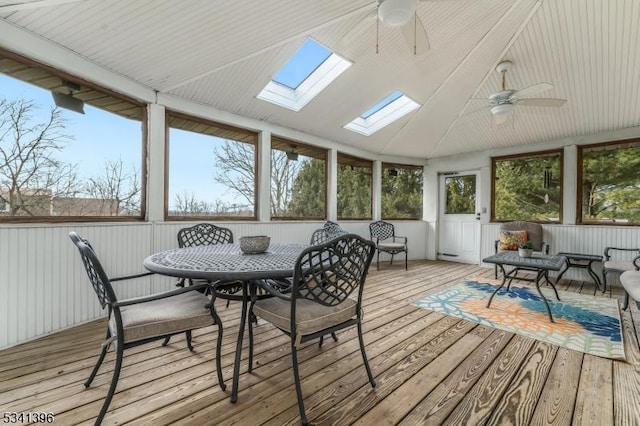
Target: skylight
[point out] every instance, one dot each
(307, 73)
(306, 60)
(386, 111)
(383, 103)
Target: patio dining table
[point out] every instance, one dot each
(226, 262)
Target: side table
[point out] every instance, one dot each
(582, 261)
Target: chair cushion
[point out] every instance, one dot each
(534, 231)
(391, 246)
(631, 282)
(511, 240)
(172, 314)
(310, 316)
(614, 265)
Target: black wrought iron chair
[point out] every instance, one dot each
(384, 236)
(326, 296)
(328, 231)
(534, 234)
(203, 234)
(618, 260)
(137, 321)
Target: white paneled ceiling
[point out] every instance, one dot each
(222, 53)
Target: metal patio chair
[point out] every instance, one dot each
(136, 321)
(326, 296)
(618, 260)
(384, 236)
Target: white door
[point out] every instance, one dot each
(459, 217)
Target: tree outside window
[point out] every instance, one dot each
(609, 183)
(57, 164)
(298, 180)
(354, 187)
(401, 191)
(527, 187)
(211, 168)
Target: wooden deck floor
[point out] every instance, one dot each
(430, 369)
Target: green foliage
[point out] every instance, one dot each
(520, 190)
(402, 194)
(354, 192)
(308, 190)
(461, 195)
(526, 245)
(611, 185)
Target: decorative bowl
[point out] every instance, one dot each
(254, 245)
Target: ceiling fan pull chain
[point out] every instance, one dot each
(415, 33)
(378, 31)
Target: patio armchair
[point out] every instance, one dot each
(631, 283)
(618, 260)
(326, 296)
(384, 236)
(513, 233)
(136, 321)
(203, 234)
(328, 231)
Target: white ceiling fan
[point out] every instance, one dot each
(399, 14)
(501, 104)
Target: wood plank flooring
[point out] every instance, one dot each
(430, 369)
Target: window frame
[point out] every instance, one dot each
(92, 89)
(206, 122)
(388, 166)
(525, 155)
(355, 160)
(301, 148)
(634, 142)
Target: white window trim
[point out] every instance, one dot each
(294, 100)
(383, 117)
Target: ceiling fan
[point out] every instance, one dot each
(502, 103)
(399, 14)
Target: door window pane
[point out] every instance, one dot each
(460, 195)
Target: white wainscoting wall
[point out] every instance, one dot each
(44, 288)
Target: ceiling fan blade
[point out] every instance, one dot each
(358, 30)
(34, 4)
(532, 90)
(542, 102)
(416, 36)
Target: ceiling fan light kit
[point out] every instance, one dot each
(396, 13)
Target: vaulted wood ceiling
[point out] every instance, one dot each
(222, 53)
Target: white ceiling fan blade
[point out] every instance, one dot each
(542, 102)
(532, 90)
(34, 4)
(416, 36)
(358, 29)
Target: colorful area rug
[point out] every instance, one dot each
(583, 323)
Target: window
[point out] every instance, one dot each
(307, 73)
(59, 164)
(401, 191)
(298, 180)
(354, 187)
(460, 194)
(527, 187)
(211, 170)
(386, 111)
(609, 183)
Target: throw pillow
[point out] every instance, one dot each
(510, 240)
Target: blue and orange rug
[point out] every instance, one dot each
(584, 323)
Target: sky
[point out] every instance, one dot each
(100, 136)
